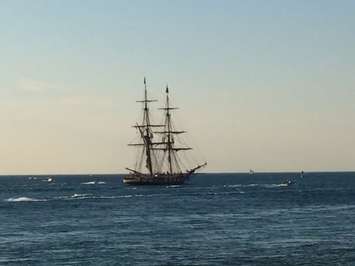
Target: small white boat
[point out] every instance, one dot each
(50, 179)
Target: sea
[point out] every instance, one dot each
(214, 219)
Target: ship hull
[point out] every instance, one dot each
(162, 179)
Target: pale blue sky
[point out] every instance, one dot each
(267, 85)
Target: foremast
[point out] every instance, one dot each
(146, 133)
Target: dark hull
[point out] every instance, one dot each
(163, 179)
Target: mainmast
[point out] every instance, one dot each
(168, 120)
(168, 136)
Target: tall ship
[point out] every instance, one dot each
(158, 160)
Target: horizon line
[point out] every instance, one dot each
(206, 172)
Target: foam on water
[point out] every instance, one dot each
(257, 185)
(94, 183)
(77, 196)
(21, 199)
(80, 195)
(280, 185)
(89, 183)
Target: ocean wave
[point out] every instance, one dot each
(253, 185)
(80, 195)
(257, 185)
(222, 193)
(124, 196)
(94, 183)
(232, 186)
(243, 185)
(278, 185)
(91, 196)
(89, 183)
(75, 196)
(23, 199)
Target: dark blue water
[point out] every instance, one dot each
(216, 219)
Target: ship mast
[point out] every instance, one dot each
(168, 121)
(146, 133)
(147, 136)
(168, 137)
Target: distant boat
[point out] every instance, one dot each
(158, 163)
(50, 179)
(251, 172)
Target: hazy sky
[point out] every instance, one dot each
(266, 85)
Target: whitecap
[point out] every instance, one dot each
(21, 199)
(282, 185)
(257, 185)
(94, 183)
(241, 185)
(89, 183)
(126, 196)
(252, 185)
(80, 195)
(232, 186)
(275, 185)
